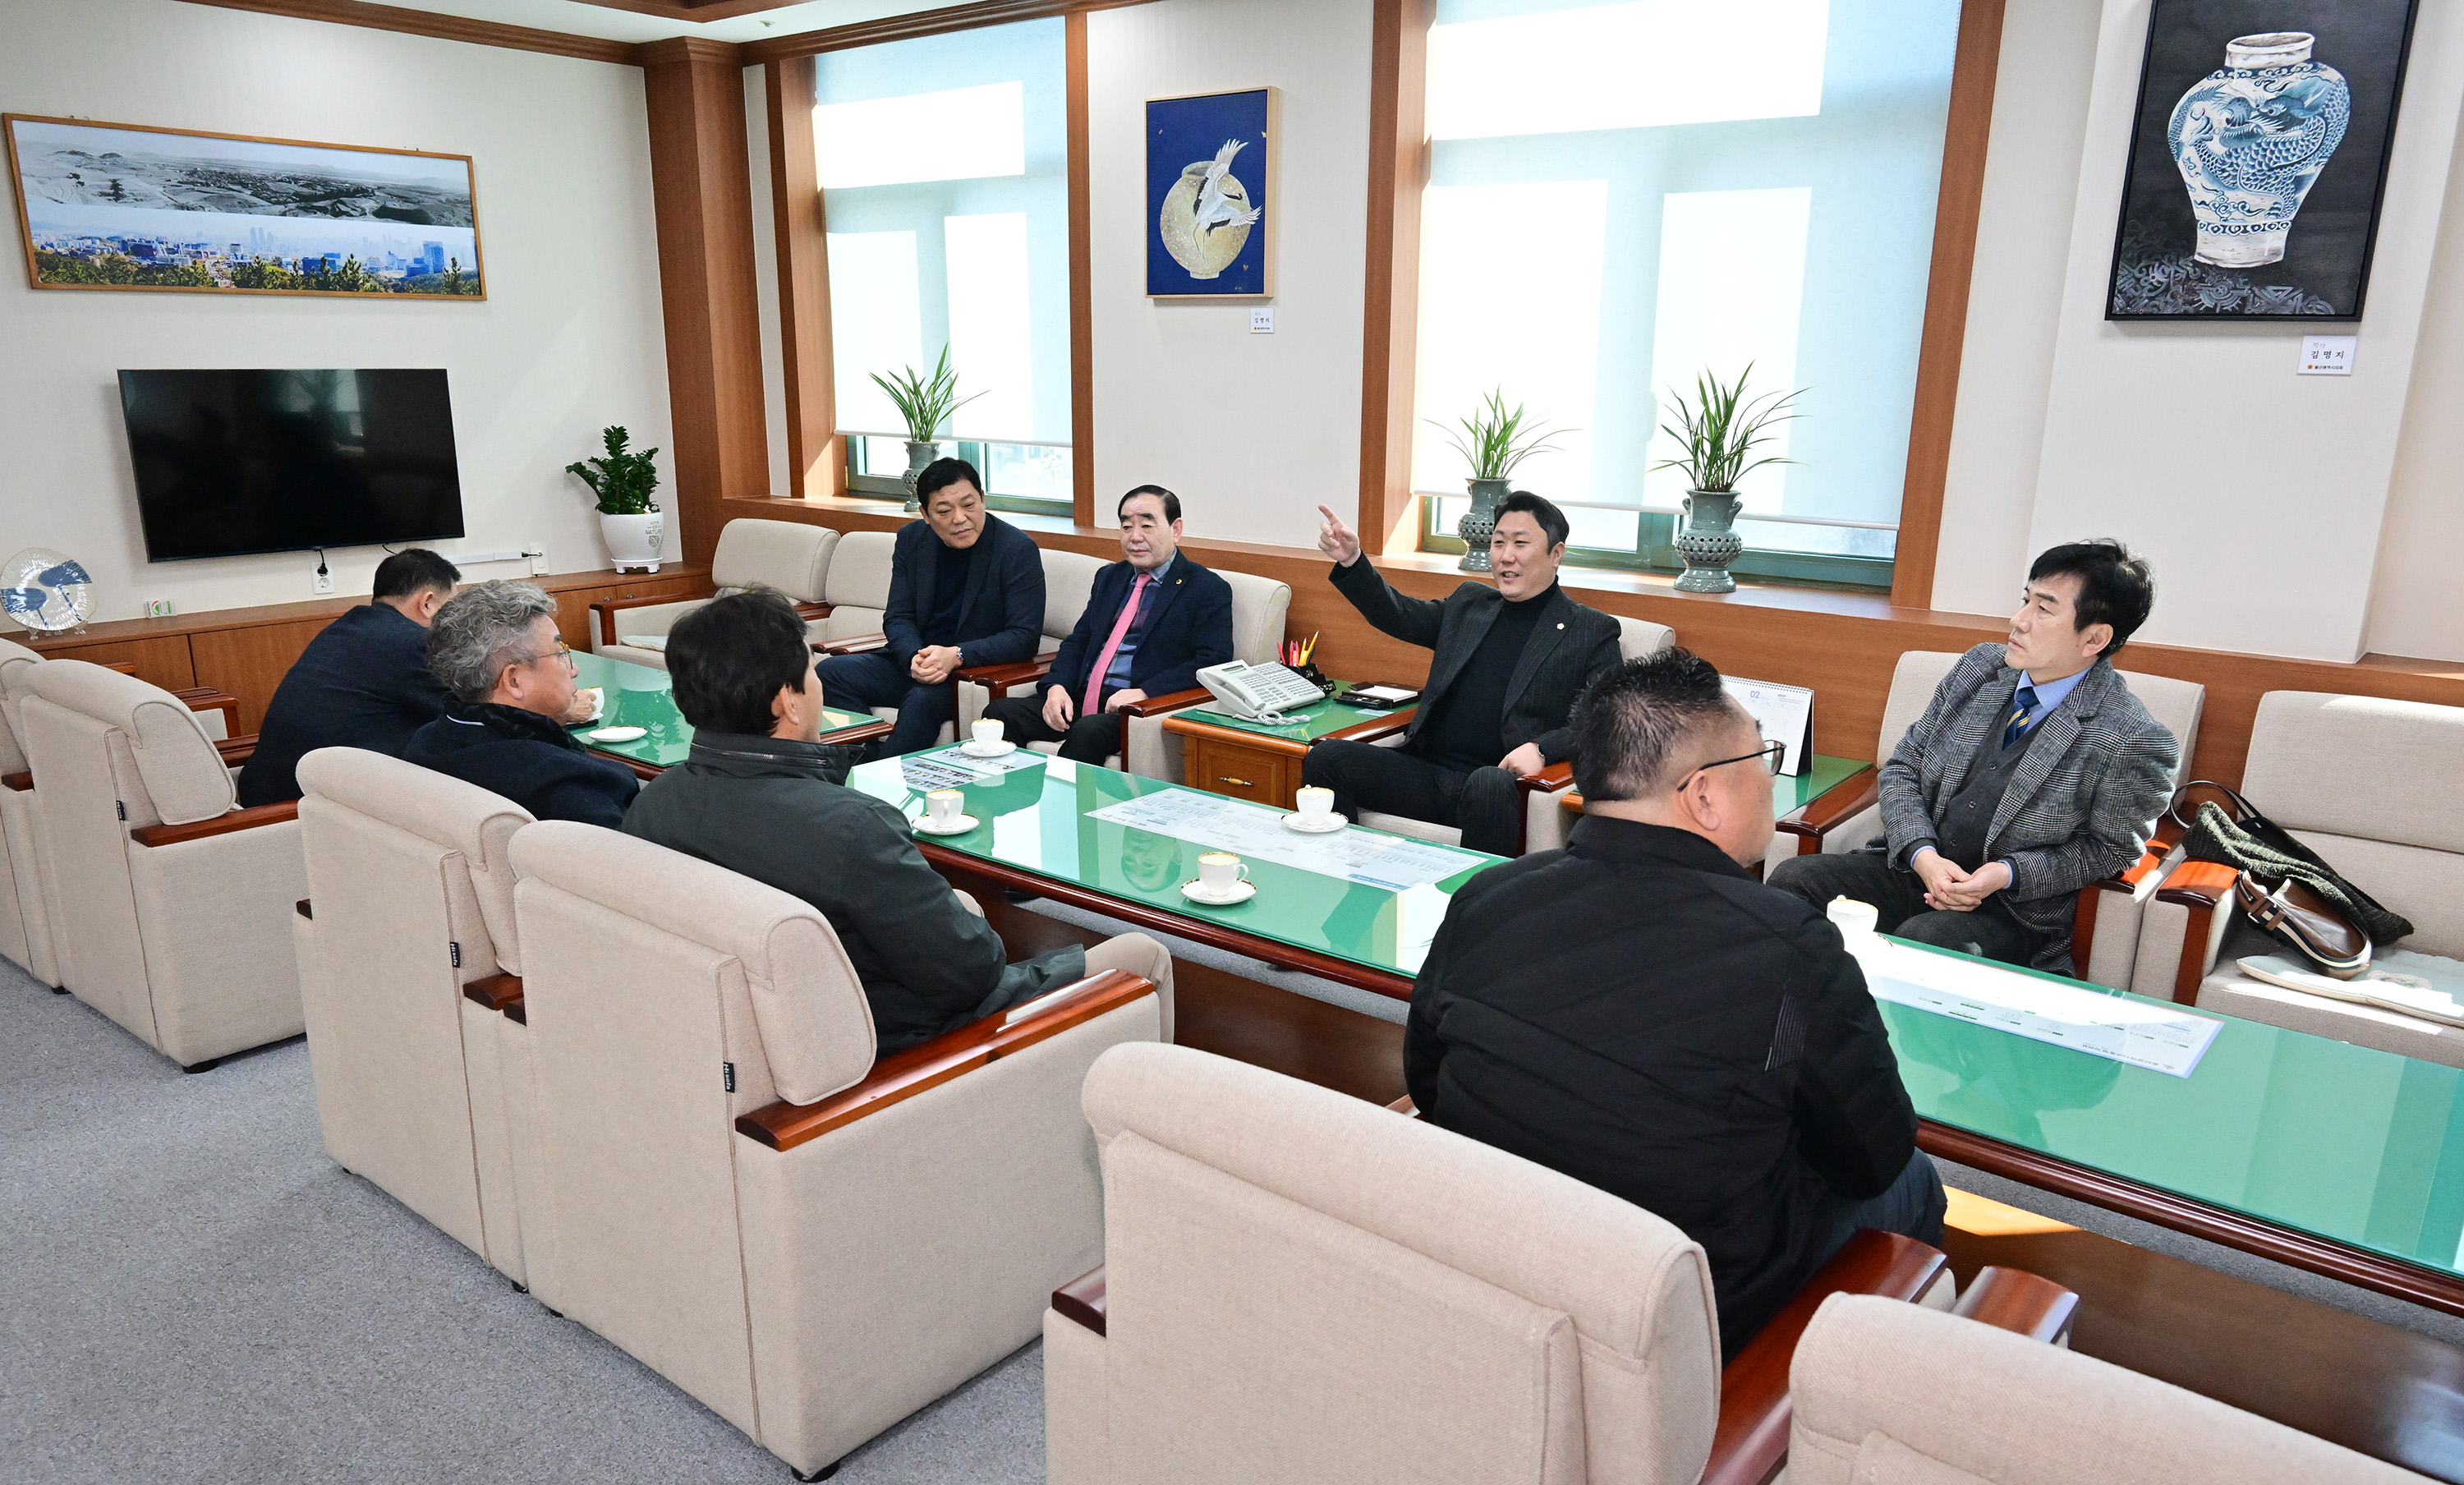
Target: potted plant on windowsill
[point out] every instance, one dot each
(1492, 441)
(925, 406)
(629, 521)
(1718, 431)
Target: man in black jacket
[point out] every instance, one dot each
(1509, 662)
(1636, 1011)
(361, 682)
(966, 588)
(1118, 657)
(495, 648)
(760, 797)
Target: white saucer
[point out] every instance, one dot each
(960, 827)
(619, 734)
(1326, 824)
(1197, 891)
(975, 749)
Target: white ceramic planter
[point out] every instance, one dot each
(634, 541)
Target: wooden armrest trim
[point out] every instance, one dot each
(304, 910)
(1548, 781)
(496, 991)
(1170, 701)
(2015, 1300)
(999, 679)
(1751, 1441)
(2199, 887)
(1371, 730)
(1405, 1107)
(810, 611)
(237, 751)
(902, 1076)
(219, 825)
(1846, 800)
(211, 698)
(123, 666)
(1082, 1300)
(855, 645)
(22, 782)
(605, 608)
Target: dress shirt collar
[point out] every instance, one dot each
(2049, 695)
(1606, 839)
(1157, 576)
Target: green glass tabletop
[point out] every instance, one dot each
(1039, 817)
(2361, 1147)
(1821, 775)
(637, 696)
(1309, 724)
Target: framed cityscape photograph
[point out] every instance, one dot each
(130, 206)
(2258, 159)
(1210, 163)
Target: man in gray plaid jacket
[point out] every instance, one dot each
(2034, 772)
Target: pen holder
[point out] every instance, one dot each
(1315, 678)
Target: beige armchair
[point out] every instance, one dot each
(182, 903)
(1258, 608)
(1301, 1286)
(787, 555)
(410, 901)
(2368, 784)
(723, 1181)
(2104, 936)
(856, 589)
(1544, 793)
(1889, 1394)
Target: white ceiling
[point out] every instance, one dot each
(574, 17)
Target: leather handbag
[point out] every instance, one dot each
(2284, 887)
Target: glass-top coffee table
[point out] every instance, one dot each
(638, 695)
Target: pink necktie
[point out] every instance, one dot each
(1112, 646)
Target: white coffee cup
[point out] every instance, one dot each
(945, 806)
(1854, 920)
(1221, 870)
(1315, 803)
(987, 733)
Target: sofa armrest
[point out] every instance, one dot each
(814, 612)
(1812, 824)
(1082, 1300)
(212, 699)
(853, 644)
(1749, 1444)
(220, 825)
(23, 783)
(237, 751)
(1170, 701)
(1002, 679)
(1372, 729)
(2015, 1300)
(607, 609)
(496, 991)
(2198, 888)
(897, 1079)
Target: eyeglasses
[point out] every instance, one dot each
(563, 652)
(1772, 754)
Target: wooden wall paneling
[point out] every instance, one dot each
(1398, 172)
(444, 28)
(701, 188)
(1082, 284)
(250, 662)
(1961, 195)
(816, 462)
(162, 661)
(573, 604)
(920, 23)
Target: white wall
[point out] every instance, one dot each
(1252, 431)
(568, 340)
(2417, 605)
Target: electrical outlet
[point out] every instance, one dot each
(324, 582)
(158, 608)
(538, 562)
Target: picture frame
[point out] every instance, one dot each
(144, 208)
(2259, 157)
(1210, 212)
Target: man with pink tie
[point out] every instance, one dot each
(1151, 621)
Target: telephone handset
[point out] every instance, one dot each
(1257, 692)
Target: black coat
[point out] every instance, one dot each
(362, 682)
(1570, 648)
(776, 812)
(1189, 625)
(1002, 618)
(529, 759)
(1636, 1011)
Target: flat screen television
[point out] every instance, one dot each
(234, 462)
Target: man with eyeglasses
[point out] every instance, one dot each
(1636, 1011)
(497, 650)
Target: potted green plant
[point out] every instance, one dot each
(925, 405)
(1492, 441)
(1719, 432)
(622, 482)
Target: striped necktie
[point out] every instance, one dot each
(2023, 714)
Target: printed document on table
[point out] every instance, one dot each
(2107, 1026)
(1255, 831)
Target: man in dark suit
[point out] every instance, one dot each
(361, 682)
(1636, 1011)
(966, 588)
(1119, 655)
(1509, 662)
(2033, 772)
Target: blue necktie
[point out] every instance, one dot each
(2023, 714)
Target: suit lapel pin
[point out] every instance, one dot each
(1561, 626)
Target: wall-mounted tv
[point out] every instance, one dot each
(234, 462)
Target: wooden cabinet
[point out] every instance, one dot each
(573, 605)
(1262, 770)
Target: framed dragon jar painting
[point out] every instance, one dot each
(2258, 159)
(1210, 205)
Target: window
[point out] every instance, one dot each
(1622, 195)
(944, 183)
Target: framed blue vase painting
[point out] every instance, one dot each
(1210, 187)
(2258, 159)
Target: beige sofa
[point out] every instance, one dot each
(410, 903)
(2370, 785)
(723, 1181)
(180, 903)
(26, 914)
(787, 555)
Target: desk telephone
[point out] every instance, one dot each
(1257, 692)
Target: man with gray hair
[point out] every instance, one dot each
(1636, 1011)
(495, 648)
